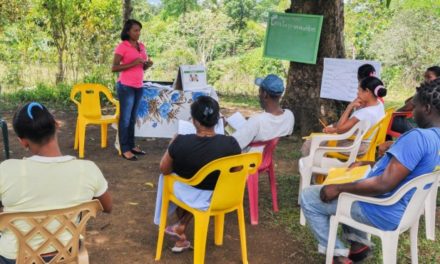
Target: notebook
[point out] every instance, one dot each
(346, 175)
(235, 122)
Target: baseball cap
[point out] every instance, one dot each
(272, 84)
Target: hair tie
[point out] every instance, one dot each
(208, 111)
(376, 90)
(372, 74)
(30, 106)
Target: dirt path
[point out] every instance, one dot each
(128, 235)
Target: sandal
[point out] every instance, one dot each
(360, 254)
(170, 230)
(139, 151)
(179, 249)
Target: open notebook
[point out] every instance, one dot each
(346, 175)
(235, 122)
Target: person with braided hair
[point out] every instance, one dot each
(413, 154)
(185, 155)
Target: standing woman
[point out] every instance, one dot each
(131, 60)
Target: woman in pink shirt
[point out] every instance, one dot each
(131, 60)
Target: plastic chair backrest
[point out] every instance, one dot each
(90, 102)
(406, 114)
(229, 189)
(72, 219)
(416, 204)
(377, 135)
(269, 147)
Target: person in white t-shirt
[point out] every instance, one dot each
(45, 181)
(273, 122)
(365, 107)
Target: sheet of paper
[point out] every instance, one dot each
(339, 78)
(236, 121)
(186, 127)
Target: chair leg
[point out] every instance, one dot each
(82, 138)
(242, 229)
(252, 184)
(331, 240)
(75, 145)
(273, 187)
(389, 247)
(5, 138)
(219, 228)
(104, 135)
(162, 225)
(83, 255)
(430, 208)
(413, 237)
(200, 232)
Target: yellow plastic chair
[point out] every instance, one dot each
(376, 133)
(46, 226)
(227, 197)
(89, 112)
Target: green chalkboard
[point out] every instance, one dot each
(293, 37)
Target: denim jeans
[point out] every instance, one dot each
(318, 214)
(129, 99)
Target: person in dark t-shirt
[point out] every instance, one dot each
(185, 156)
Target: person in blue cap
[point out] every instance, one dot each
(273, 122)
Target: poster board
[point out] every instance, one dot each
(293, 37)
(339, 78)
(191, 77)
(161, 109)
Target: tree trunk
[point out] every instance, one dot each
(126, 10)
(60, 75)
(304, 80)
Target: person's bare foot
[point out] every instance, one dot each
(128, 155)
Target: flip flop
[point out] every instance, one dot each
(169, 230)
(177, 249)
(345, 261)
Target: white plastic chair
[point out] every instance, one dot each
(430, 208)
(390, 239)
(318, 162)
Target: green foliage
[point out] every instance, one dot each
(365, 20)
(240, 11)
(410, 56)
(175, 8)
(50, 95)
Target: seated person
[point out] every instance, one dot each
(187, 154)
(45, 181)
(401, 123)
(273, 122)
(413, 154)
(365, 107)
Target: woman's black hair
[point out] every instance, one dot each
(375, 85)
(365, 71)
(429, 94)
(127, 26)
(435, 70)
(35, 123)
(206, 111)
